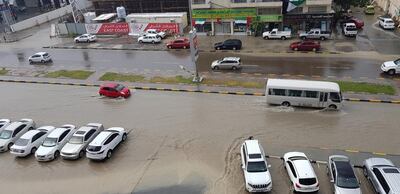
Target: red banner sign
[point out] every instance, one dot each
(108, 28)
(171, 27)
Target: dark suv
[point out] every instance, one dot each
(232, 44)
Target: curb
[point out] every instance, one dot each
(179, 50)
(189, 90)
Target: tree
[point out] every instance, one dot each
(345, 4)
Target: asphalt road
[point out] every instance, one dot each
(187, 142)
(129, 61)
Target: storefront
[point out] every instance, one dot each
(271, 21)
(305, 22)
(223, 21)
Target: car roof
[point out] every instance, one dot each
(182, 39)
(82, 130)
(5, 120)
(344, 169)
(41, 53)
(110, 85)
(253, 147)
(231, 59)
(304, 168)
(379, 162)
(100, 138)
(57, 132)
(30, 134)
(115, 129)
(392, 178)
(45, 128)
(14, 125)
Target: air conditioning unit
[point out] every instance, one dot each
(172, 20)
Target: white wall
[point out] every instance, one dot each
(40, 19)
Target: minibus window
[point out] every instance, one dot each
(334, 96)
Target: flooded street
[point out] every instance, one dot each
(187, 142)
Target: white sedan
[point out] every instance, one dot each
(14, 131)
(4, 123)
(103, 145)
(85, 38)
(30, 141)
(300, 172)
(51, 146)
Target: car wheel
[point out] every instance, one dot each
(88, 41)
(10, 145)
(322, 38)
(266, 38)
(30, 61)
(285, 104)
(42, 61)
(170, 47)
(30, 128)
(296, 49)
(303, 37)
(33, 150)
(77, 41)
(218, 48)
(184, 47)
(314, 49)
(234, 48)
(56, 154)
(152, 42)
(332, 106)
(140, 41)
(109, 153)
(124, 137)
(283, 38)
(216, 68)
(234, 68)
(81, 154)
(391, 72)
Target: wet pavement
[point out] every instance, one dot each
(187, 142)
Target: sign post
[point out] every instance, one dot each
(194, 54)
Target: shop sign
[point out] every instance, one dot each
(308, 16)
(107, 28)
(270, 18)
(139, 28)
(224, 13)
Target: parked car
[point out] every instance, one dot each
(179, 43)
(233, 63)
(4, 123)
(40, 57)
(114, 90)
(231, 44)
(150, 38)
(349, 29)
(52, 145)
(315, 33)
(30, 141)
(369, 10)
(300, 172)
(105, 143)
(85, 38)
(342, 176)
(305, 45)
(159, 34)
(383, 174)
(391, 67)
(386, 23)
(276, 34)
(358, 22)
(14, 131)
(255, 167)
(75, 148)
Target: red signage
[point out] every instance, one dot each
(171, 27)
(113, 28)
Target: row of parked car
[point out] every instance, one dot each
(22, 139)
(381, 172)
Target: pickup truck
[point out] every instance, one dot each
(315, 34)
(349, 29)
(277, 34)
(156, 32)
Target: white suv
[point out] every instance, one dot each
(85, 38)
(300, 172)
(149, 38)
(155, 32)
(104, 144)
(255, 167)
(233, 63)
(391, 67)
(386, 23)
(40, 57)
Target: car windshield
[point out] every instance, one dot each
(397, 62)
(22, 142)
(119, 87)
(50, 142)
(389, 22)
(76, 140)
(256, 167)
(347, 182)
(345, 175)
(6, 134)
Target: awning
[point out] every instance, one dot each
(240, 21)
(199, 22)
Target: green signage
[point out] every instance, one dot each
(270, 18)
(224, 13)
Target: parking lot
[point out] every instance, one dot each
(188, 142)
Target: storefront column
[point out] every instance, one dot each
(231, 27)
(212, 28)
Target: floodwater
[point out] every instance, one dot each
(185, 142)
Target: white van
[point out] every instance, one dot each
(386, 23)
(288, 92)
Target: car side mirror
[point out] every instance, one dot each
(331, 181)
(269, 166)
(242, 166)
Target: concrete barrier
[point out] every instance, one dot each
(40, 19)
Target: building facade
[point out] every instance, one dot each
(310, 14)
(220, 17)
(392, 7)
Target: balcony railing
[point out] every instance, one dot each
(197, 2)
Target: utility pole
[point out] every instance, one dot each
(194, 52)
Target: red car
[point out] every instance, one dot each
(114, 90)
(351, 19)
(306, 45)
(179, 43)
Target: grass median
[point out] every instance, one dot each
(3, 71)
(73, 74)
(110, 76)
(370, 88)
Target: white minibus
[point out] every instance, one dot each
(288, 92)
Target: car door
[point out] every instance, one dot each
(112, 141)
(178, 44)
(291, 171)
(114, 93)
(89, 136)
(38, 139)
(36, 58)
(63, 138)
(323, 98)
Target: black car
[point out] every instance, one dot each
(231, 44)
